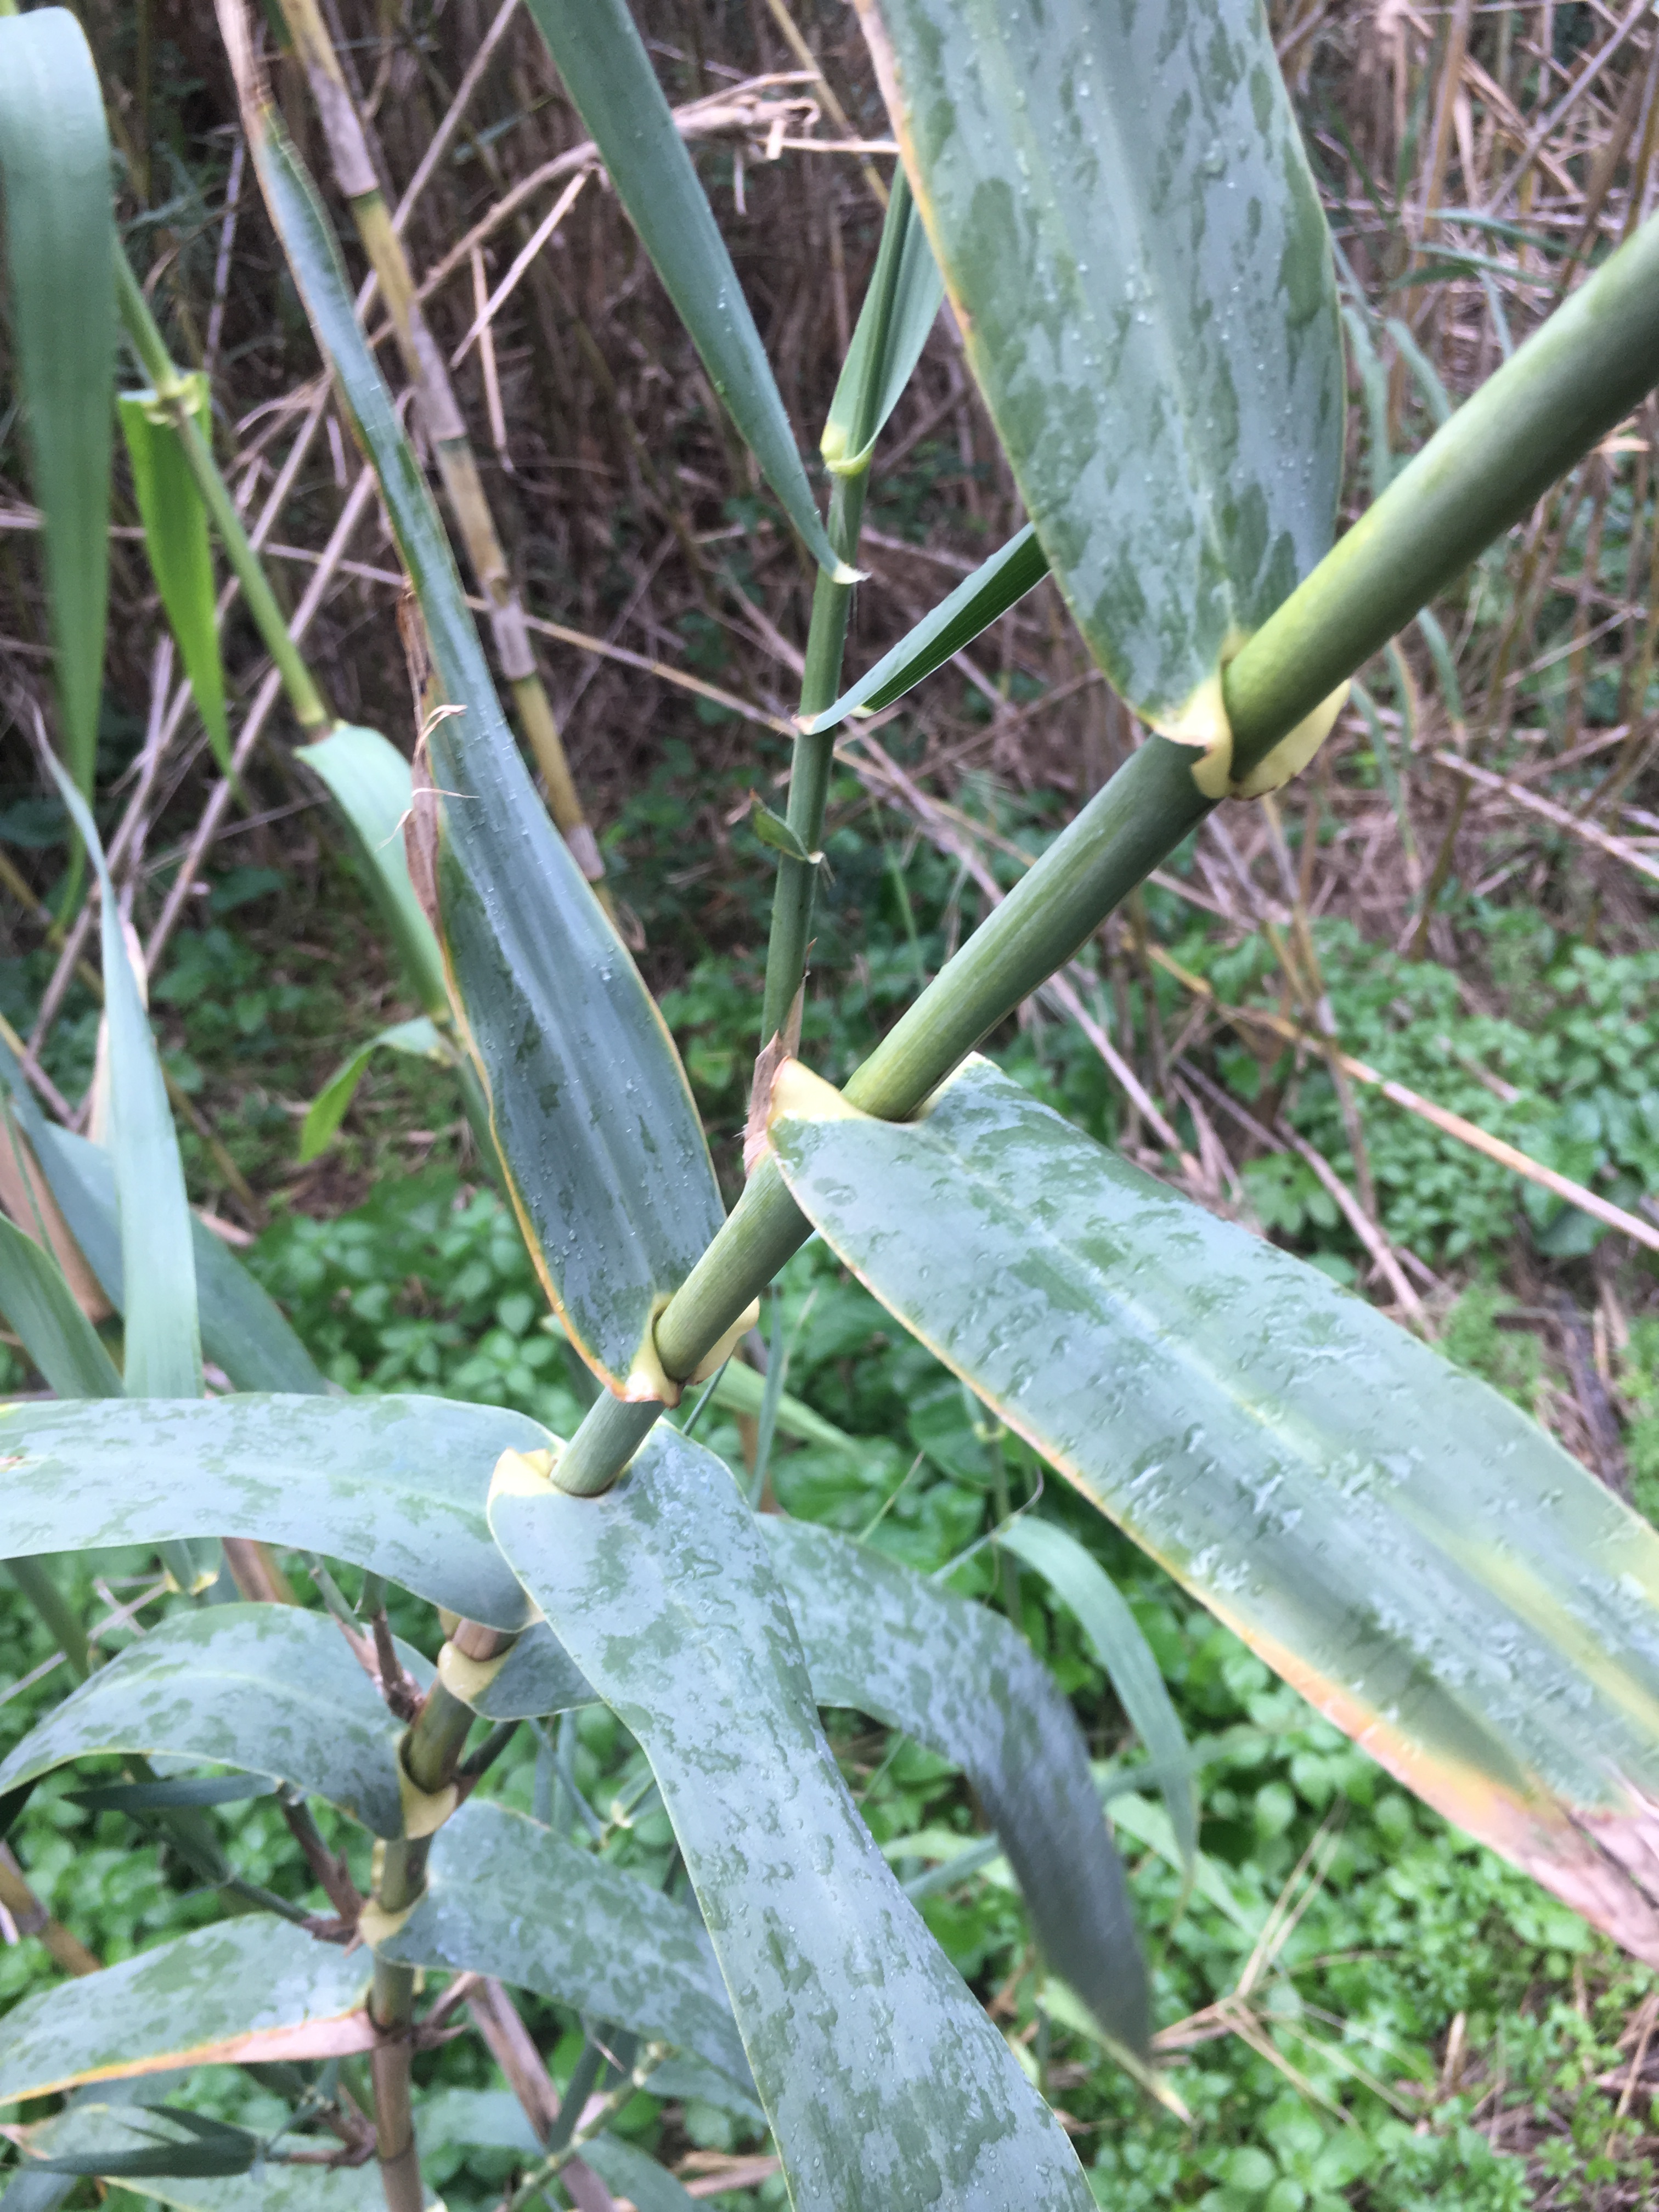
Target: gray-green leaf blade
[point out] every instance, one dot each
(1412, 1553)
(60, 254)
(959, 1679)
(271, 1689)
(608, 74)
(395, 1484)
(509, 1897)
(187, 2002)
(582, 1076)
(1119, 199)
(886, 2084)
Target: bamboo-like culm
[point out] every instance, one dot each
(1572, 382)
(355, 174)
(826, 637)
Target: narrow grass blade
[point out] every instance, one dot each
(394, 1484)
(60, 255)
(608, 74)
(41, 1309)
(960, 1680)
(418, 1039)
(271, 2188)
(369, 781)
(994, 586)
(200, 2000)
(271, 1689)
(1414, 1555)
(1129, 233)
(1078, 1578)
(162, 1355)
(891, 2087)
(176, 544)
(582, 1076)
(509, 1897)
(899, 310)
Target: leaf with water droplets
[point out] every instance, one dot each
(1119, 199)
(1414, 1555)
(885, 2082)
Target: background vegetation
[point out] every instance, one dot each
(1357, 2006)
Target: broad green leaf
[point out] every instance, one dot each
(1115, 1635)
(899, 310)
(884, 2080)
(60, 256)
(194, 2002)
(55, 1332)
(1427, 1566)
(161, 1354)
(608, 75)
(959, 1679)
(418, 1038)
(1119, 199)
(994, 586)
(176, 543)
(591, 1109)
(394, 1484)
(368, 780)
(509, 1897)
(268, 1688)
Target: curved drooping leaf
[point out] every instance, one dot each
(583, 1079)
(162, 1348)
(1119, 199)
(245, 1988)
(176, 544)
(60, 256)
(56, 1334)
(1414, 1555)
(419, 1039)
(509, 1897)
(884, 2080)
(994, 586)
(1115, 1635)
(395, 1484)
(369, 780)
(608, 74)
(898, 311)
(271, 1689)
(959, 1679)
